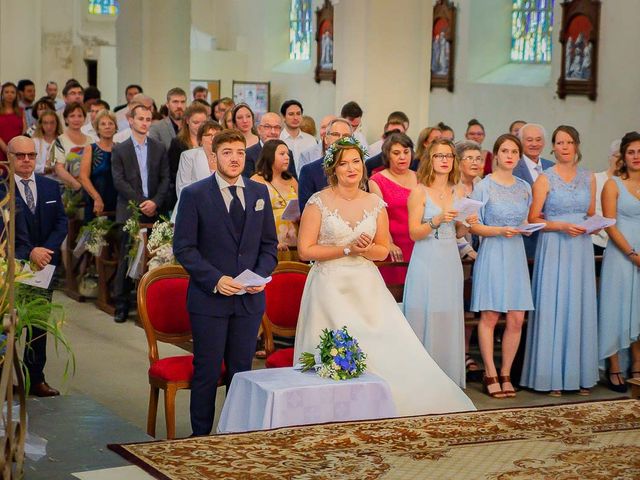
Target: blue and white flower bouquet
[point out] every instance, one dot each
(339, 356)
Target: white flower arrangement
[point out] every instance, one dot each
(96, 231)
(160, 244)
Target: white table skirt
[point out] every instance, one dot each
(281, 397)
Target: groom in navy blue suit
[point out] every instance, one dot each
(224, 226)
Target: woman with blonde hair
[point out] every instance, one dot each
(47, 129)
(95, 168)
(344, 230)
(433, 295)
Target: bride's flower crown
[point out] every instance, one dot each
(329, 156)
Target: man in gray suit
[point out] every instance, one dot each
(167, 128)
(140, 169)
(530, 166)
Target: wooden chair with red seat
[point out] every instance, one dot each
(162, 305)
(283, 295)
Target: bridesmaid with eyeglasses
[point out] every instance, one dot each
(433, 293)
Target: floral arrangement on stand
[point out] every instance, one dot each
(339, 356)
(160, 244)
(96, 232)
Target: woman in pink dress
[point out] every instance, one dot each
(12, 122)
(393, 185)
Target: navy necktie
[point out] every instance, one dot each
(236, 211)
(28, 194)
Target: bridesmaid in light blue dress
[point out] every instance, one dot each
(500, 275)
(433, 293)
(562, 343)
(619, 323)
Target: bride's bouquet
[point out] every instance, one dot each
(339, 358)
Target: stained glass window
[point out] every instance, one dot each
(531, 25)
(300, 30)
(110, 8)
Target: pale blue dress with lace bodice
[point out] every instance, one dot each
(350, 291)
(500, 273)
(562, 338)
(619, 323)
(433, 296)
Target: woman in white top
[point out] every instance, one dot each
(197, 163)
(47, 129)
(68, 148)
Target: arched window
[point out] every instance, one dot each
(109, 8)
(531, 25)
(300, 30)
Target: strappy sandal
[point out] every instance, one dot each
(585, 392)
(555, 393)
(487, 382)
(635, 374)
(507, 393)
(470, 364)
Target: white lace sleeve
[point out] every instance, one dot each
(380, 205)
(317, 201)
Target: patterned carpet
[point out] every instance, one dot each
(598, 440)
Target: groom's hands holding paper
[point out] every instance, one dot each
(228, 286)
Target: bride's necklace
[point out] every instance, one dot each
(335, 190)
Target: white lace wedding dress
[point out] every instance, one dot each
(350, 291)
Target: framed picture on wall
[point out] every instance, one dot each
(255, 94)
(324, 43)
(213, 86)
(579, 37)
(443, 41)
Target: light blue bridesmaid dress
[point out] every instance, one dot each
(562, 344)
(619, 323)
(433, 296)
(500, 273)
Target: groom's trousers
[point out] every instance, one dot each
(232, 339)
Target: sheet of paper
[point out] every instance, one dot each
(466, 207)
(250, 279)
(40, 278)
(531, 227)
(292, 211)
(596, 222)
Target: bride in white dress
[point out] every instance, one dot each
(344, 230)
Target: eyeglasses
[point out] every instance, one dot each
(337, 135)
(24, 155)
(471, 159)
(271, 127)
(442, 156)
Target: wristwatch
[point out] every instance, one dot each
(346, 251)
(432, 225)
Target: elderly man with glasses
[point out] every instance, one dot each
(269, 128)
(41, 227)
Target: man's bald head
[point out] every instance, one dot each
(270, 126)
(143, 99)
(324, 123)
(22, 153)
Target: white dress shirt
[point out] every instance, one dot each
(89, 131)
(32, 186)
(309, 155)
(122, 135)
(193, 166)
(375, 148)
(297, 144)
(535, 169)
(226, 194)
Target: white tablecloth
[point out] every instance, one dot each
(280, 397)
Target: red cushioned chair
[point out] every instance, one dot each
(283, 295)
(162, 305)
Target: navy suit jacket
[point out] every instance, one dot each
(522, 171)
(47, 227)
(376, 162)
(252, 154)
(312, 180)
(205, 243)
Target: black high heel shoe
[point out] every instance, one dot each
(621, 387)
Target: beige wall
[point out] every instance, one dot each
(496, 104)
